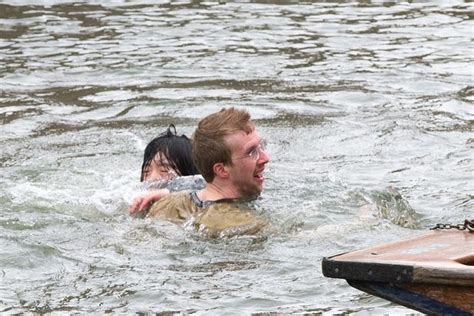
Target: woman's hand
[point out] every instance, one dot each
(141, 202)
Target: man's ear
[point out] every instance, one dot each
(220, 170)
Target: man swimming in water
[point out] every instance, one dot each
(231, 156)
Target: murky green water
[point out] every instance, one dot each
(360, 101)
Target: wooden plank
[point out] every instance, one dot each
(433, 246)
(442, 257)
(432, 273)
(366, 271)
(413, 300)
(460, 296)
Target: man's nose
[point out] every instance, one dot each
(264, 158)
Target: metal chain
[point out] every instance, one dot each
(468, 224)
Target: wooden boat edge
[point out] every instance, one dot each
(394, 272)
(412, 299)
(366, 271)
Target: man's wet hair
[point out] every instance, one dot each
(209, 144)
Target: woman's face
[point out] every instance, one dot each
(159, 169)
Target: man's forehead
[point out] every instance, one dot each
(242, 139)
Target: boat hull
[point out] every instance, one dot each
(432, 273)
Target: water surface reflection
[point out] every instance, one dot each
(367, 106)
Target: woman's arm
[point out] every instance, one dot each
(140, 203)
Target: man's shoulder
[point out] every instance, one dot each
(215, 218)
(228, 218)
(170, 205)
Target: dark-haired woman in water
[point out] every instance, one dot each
(167, 167)
(168, 156)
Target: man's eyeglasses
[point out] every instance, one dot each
(255, 153)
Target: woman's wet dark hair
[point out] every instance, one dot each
(174, 148)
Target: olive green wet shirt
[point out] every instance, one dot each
(215, 218)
